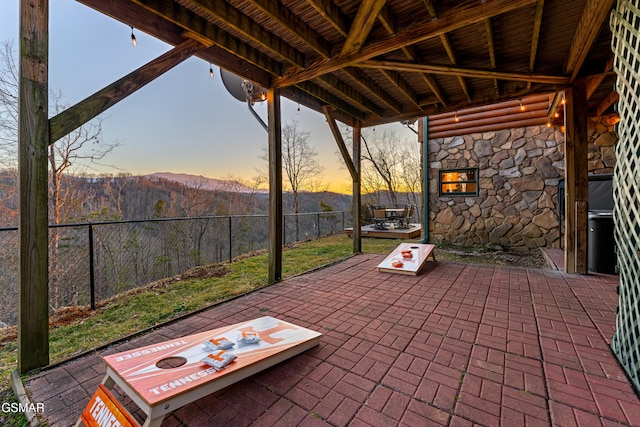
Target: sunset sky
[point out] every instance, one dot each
(183, 122)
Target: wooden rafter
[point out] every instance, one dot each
(593, 17)
(408, 36)
(466, 72)
(606, 103)
(593, 82)
(448, 47)
(401, 84)
(361, 25)
(435, 88)
(296, 26)
(329, 98)
(244, 25)
(388, 22)
(366, 83)
(492, 50)
(329, 11)
(328, 113)
(182, 17)
(537, 22)
(356, 96)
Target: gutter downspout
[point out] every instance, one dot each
(425, 179)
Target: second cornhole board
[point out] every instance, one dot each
(419, 254)
(158, 391)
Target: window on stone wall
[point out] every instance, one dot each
(458, 182)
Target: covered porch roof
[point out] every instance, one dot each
(377, 61)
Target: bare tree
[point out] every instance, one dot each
(70, 155)
(300, 165)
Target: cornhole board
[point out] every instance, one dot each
(145, 374)
(419, 254)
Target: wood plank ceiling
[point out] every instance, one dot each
(377, 61)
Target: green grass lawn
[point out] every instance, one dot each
(167, 300)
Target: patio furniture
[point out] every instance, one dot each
(379, 217)
(161, 378)
(409, 215)
(397, 215)
(397, 262)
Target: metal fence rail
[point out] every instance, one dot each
(90, 262)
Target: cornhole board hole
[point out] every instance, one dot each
(419, 254)
(161, 378)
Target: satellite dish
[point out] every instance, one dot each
(242, 89)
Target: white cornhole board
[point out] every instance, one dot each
(158, 391)
(419, 254)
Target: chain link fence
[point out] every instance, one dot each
(91, 262)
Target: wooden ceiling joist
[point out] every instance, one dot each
(466, 72)
(361, 25)
(408, 36)
(492, 50)
(329, 11)
(594, 15)
(593, 82)
(606, 103)
(366, 83)
(244, 25)
(296, 26)
(402, 85)
(354, 95)
(186, 19)
(326, 96)
(537, 22)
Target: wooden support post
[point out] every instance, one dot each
(576, 179)
(582, 172)
(569, 185)
(356, 205)
(275, 185)
(33, 142)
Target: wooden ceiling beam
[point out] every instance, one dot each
(594, 15)
(189, 21)
(296, 26)
(466, 72)
(361, 25)
(607, 102)
(448, 47)
(537, 22)
(388, 22)
(356, 96)
(329, 11)
(366, 83)
(247, 27)
(322, 94)
(435, 88)
(348, 161)
(458, 18)
(492, 50)
(396, 80)
(593, 82)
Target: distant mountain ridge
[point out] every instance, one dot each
(204, 183)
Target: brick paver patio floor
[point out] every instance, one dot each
(458, 345)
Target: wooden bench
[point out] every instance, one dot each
(161, 378)
(419, 254)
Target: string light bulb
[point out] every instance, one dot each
(134, 42)
(548, 124)
(298, 112)
(456, 118)
(522, 107)
(210, 70)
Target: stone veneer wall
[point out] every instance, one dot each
(519, 173)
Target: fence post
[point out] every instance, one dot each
(230, 242)
(92, 280)
(318, 223)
